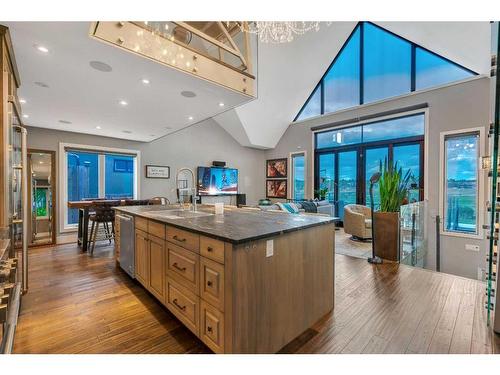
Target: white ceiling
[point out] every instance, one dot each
(289, 72)
(41, 165)
(89, 98)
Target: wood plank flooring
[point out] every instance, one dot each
(82, 304)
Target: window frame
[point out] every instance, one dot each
(480, 201)
(291, 191)
(64, 227)
(413, 72)
(422, 139)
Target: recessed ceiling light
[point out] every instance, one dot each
(127, 131)
(221, 104)
(123, 103)
(190, 118)
(26, 116)
(145, 81)
(188, 94)
(65, 122)
(42, 49)
(97, 127)
(22, 101)
(41, 84)
(40, 162)
(100, 66)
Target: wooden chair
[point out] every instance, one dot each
(104, 214)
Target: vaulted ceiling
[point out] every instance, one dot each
(81, 99)
(289, 72)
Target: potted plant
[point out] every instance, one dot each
(393, 187)
(321, 193)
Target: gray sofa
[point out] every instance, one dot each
(322, 207)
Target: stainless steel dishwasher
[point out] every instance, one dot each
(127, 244)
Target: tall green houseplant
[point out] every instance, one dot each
(393, 186)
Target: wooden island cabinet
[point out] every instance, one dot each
(237, 297)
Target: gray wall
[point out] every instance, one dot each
(197, 145)
(459, 106)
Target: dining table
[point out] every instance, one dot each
(83, 208)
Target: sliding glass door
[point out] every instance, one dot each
(343, 175)
(373, 158)
(347, 179)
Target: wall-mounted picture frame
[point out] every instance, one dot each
(277, 168)
(276, 189)
(157, 171)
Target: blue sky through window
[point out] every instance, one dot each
(387, 61)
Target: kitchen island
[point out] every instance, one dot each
(244, 281)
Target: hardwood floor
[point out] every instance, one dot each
(82, 304)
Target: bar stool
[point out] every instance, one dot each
(103, 214)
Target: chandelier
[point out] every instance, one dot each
(278, 32)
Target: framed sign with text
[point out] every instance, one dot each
(157, 171)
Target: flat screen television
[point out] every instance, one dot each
(217, 181)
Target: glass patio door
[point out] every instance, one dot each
(347, 180)
(373, 157)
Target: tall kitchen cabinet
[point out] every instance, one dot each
(13, 193)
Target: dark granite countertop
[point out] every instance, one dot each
(235, 225)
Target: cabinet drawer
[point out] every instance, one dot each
(212, 282)
(141, 223)
(184, 305)
(212, 327)
(156, 229)
(183, 266)
(188, 240)
(212, 248)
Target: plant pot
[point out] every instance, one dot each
(385, 229)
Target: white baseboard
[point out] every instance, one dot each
(66, 238)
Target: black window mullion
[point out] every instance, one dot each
(322, 96)
(361, 62)
(413, 68)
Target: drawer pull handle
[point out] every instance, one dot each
(182, 269)
(179, 239)
(209, 283)
(177, 305)
(210, 249)
(209, 329)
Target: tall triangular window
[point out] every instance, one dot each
(375, 64)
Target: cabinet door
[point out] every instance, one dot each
(212, 282)
(157, 267)
(142, 257)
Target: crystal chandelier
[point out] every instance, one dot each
(278, 32)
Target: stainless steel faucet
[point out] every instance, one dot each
(193, 189)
